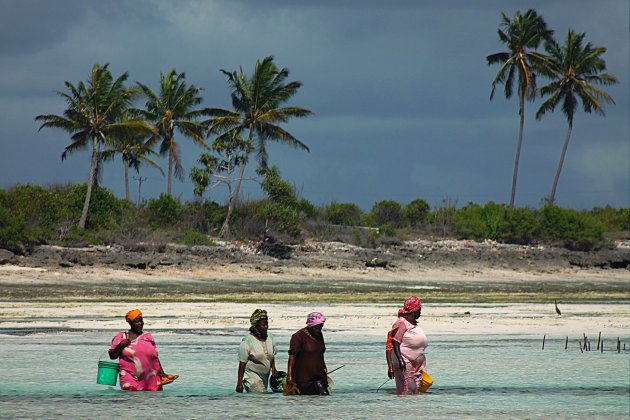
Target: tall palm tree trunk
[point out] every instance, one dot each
(169, 185)
(90, 183)
(552, 196)
(521, 113)
(126, 166)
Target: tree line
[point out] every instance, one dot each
(31, 215)
(100, 116)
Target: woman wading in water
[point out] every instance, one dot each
(256, 355)
(140, 367)
(306, 367)
(409, 345)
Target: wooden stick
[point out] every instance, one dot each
(602, 349)
(618, 345)
(543, 347)
(566, 343)
(599, 338)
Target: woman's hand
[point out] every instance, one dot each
(239, 387)
(117, 351)
(390, 373)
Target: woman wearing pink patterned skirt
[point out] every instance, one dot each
(140, 368)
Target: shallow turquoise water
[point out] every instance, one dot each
(53, 374)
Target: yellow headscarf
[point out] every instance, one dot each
(132, 315)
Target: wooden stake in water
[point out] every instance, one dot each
(602, 349)
(585, 346)
(581, 351)
(618, 345)
(599, 338)
(566, 343)
(543, 347)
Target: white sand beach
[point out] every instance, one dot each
(77, 311)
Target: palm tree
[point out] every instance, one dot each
(174, 108)
(134, 150)
(522, 35)
(576, 69)
(92, 116)
(257, 102)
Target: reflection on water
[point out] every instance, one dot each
(53, 374)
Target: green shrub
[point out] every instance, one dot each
(415, 213)
(469, 222)
(41, 211)
(347, 214)
(612, 220)
(308, 209)
(625, 219)
(11, 227)
(205, 217)
(387, 212)
(479, 223)
(248, 219)
(193, 237)
(164, 211)
(442, 219)
(105, 209)
(82, 237)
(573, 229)
(522, 226)
(388, 229)
(283, 208)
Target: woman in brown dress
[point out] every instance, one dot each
(306, 366)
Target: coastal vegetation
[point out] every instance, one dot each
(31, 215)
(102, 115)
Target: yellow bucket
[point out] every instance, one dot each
(425, 382)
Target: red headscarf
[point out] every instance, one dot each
(412, 304)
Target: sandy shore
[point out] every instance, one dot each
(356, 301)
(373, 319)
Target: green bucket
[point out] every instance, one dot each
(107, 372)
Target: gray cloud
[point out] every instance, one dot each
(400, 91)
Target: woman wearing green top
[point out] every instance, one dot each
(256, 355)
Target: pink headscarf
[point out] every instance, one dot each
(412, 304)
(315, 318)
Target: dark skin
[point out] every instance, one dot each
(413, 319)
(316, 333)
(262, 326)
(135, 331)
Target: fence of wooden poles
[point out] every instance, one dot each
(585, 344)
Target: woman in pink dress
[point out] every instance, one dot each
(409, 344)
(140, 368)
